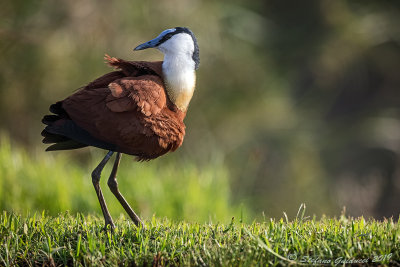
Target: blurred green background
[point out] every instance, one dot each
(295, 102)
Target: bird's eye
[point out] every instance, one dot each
(165, 38)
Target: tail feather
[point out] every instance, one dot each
(63, 133)
(58, 110)
(58, 139)
(50, 119)
(50, 138)
(66, 145)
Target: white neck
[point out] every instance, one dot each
(180, 78)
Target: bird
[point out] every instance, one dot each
(138, 109)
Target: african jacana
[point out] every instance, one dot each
(137, 110)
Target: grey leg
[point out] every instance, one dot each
(113, 184)
(95, 180)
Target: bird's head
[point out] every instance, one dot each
(175, 41)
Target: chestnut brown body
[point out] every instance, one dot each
(126, 111)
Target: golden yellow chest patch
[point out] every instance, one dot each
(180, 90)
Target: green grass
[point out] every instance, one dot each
(187, 194)
(78, 240)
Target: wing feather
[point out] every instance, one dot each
(145, 94)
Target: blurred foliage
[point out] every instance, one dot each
(300, 102)
(37, 181)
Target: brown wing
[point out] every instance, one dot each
(119, 119)
(126, 111)
(145, 94)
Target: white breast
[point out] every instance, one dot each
(179, 69)
(180, 87)
(180, 81)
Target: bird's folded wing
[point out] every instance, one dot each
(144, 93)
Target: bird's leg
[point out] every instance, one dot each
(95, 180)
(113, 184)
